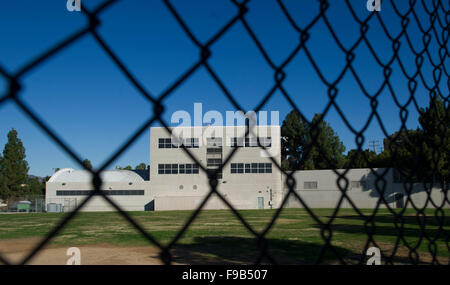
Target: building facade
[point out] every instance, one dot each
(364, 187)
(249, 180)
(67, 188)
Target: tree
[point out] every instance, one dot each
(128, 167)
(435, 123)
(360, 159)
(35, 186)
(403, 147)
(141, 166)
(13, 168)
(307, 145)
(87, 163)
(423, 154)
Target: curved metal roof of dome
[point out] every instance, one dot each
(72, 175)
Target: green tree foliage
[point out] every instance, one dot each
(423, 154)
(35, 186)
(359, 159)
(87, 163)
(128, 167)
(141, 166)
(366, 159)
(381, 160)
(13, 168)
(306, 147)
(404, 149)
(435, 123)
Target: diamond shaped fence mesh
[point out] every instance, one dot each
(435, 50)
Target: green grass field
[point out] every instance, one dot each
(218, 236)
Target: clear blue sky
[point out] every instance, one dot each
(87, 101)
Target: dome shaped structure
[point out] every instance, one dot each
(72, 175)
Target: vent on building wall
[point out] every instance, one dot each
(357, 184)
(181, 187)
(194, 187)
(310, 185)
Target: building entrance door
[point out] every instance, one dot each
(398, 200)
(260, 202)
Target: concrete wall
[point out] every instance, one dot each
(327, 194)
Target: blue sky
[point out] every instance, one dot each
(86, 100)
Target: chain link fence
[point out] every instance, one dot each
(436, 34)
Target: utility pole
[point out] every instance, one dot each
(374, 145)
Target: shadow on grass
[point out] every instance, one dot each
(240, 250)
(412, 236)
(392, 232)
(429, 220)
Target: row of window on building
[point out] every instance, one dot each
(215, 142)
(168, 143)
(174, 168)
(251, 142)
(106, 192)
(251, 168)
(235, 167)
(314, 185)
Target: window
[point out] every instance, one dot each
(268, 167)
(213, 150)
(213, 162)
(106, 192)
(174, 168)
(237, 142)
(160, 143)
(233, 168)
(188, 168)
(214, 142)
(251, 167)
(168, 169)
(191, 143)
(254, 167)
(237, 168)
(261, 168)
(167, 143)
(265, 141)
(176, 142)
(161, 168)
(251, 142)
(310, 185)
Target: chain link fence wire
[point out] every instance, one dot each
(437, 31)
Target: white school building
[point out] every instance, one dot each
(250, 179)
